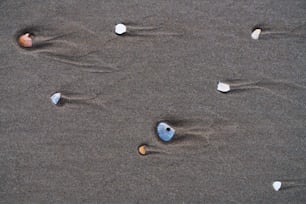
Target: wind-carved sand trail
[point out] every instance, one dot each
(68, 42)
(278, 88)
(262, 31)
(191, 136)
(74, 44)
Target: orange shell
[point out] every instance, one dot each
(142, 150)
(25, 40)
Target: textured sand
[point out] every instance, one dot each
(228, 148)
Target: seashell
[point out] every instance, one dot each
(142, 150)
(277, 185)
(256, 33)
(25, 40)
(165, 132)
(223, 87)
(120, 29)
(55, 98)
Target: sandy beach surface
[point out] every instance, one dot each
(227, 148)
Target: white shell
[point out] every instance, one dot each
(277, 185)
(55, 98)
(120, 29)
(255, 34)
(223, 87)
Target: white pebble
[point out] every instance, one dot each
(120, 29)
(223, 87)
(277, 185)
(55, 98)
(255, 34)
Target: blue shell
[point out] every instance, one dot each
(165, 132)
(55, 98)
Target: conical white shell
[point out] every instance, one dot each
(277, 185)
(255, 34)
(55, 98)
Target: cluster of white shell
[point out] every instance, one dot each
(121, 29)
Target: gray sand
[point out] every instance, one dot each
(229, 148)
